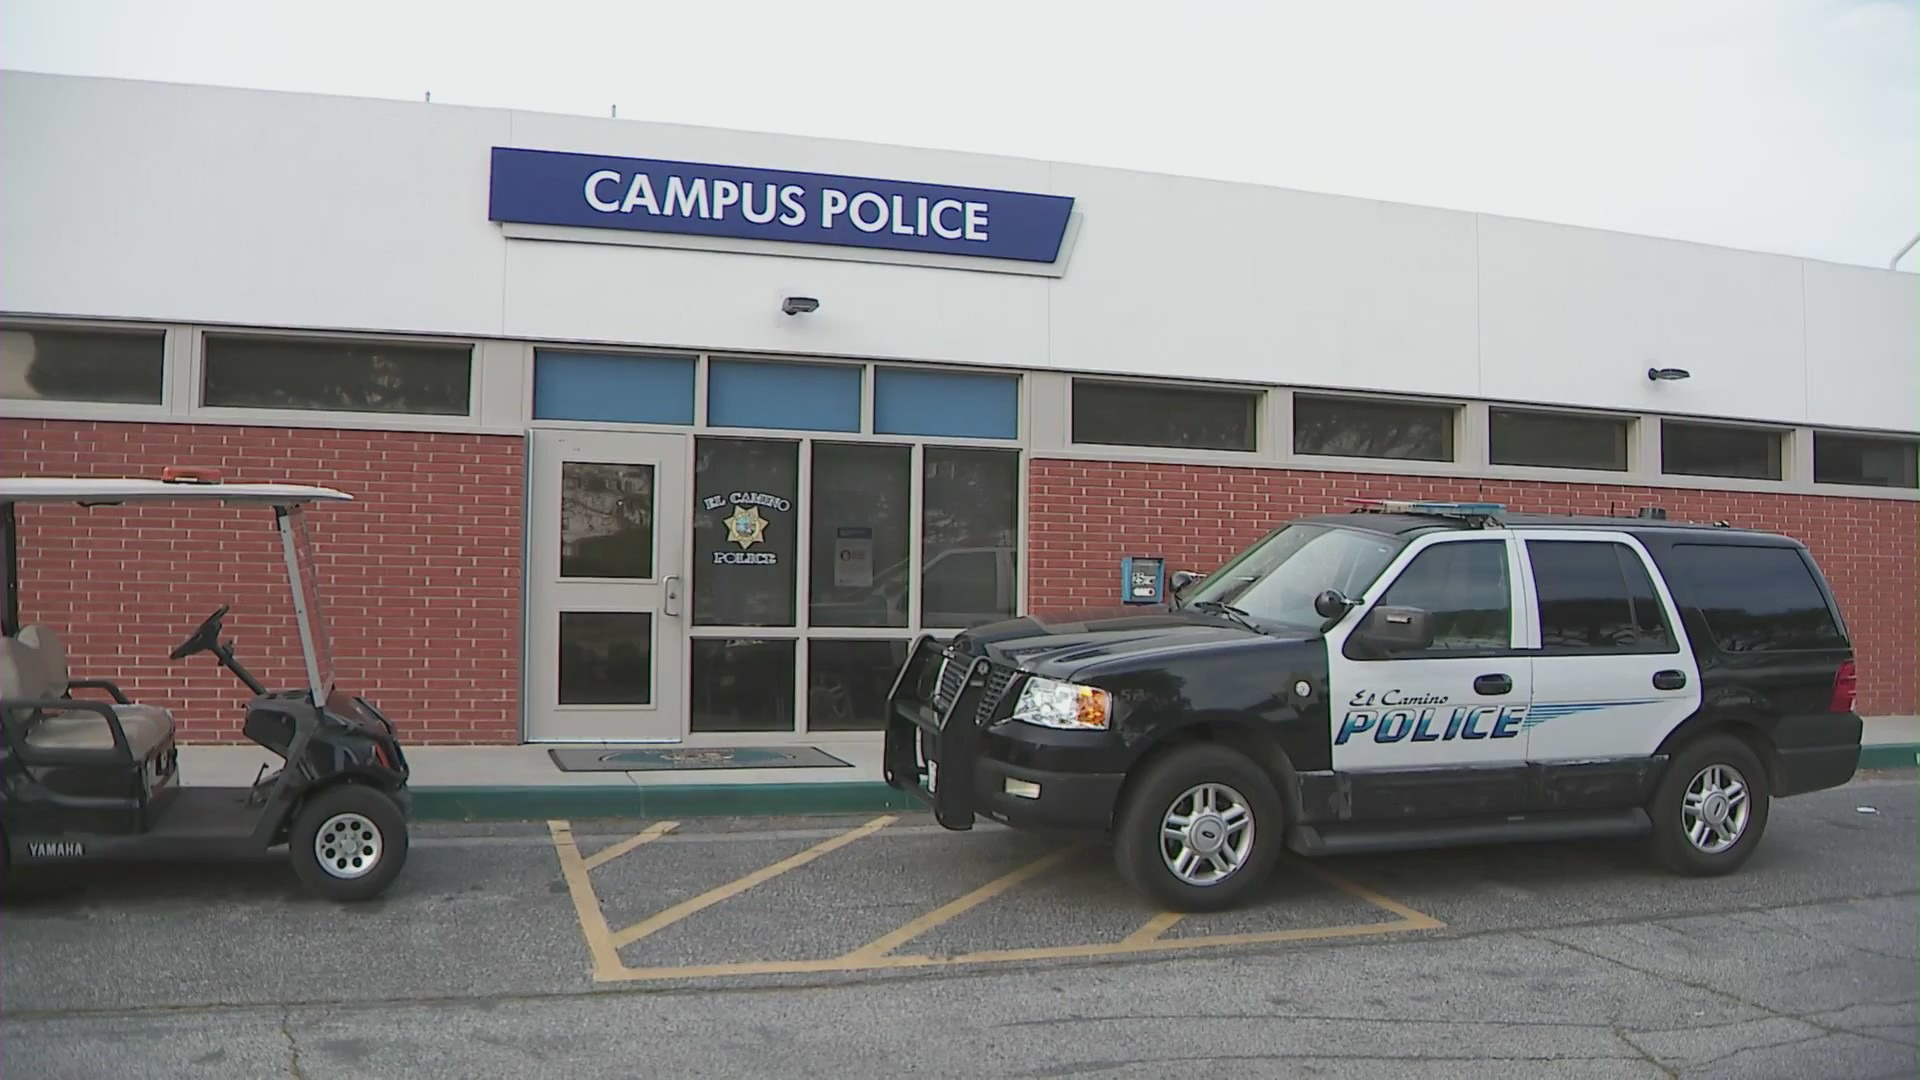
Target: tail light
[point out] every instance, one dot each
(380, 754)
(1845, 686)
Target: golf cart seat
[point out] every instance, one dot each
(34, 666)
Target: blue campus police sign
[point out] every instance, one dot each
(546, 187)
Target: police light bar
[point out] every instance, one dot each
(1438, 509)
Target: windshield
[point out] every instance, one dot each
(1276, 579)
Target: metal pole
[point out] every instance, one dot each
(1895, 264)
(9, 539)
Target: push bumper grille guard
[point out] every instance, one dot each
(947, 734)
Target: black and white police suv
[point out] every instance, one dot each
(1407, 675)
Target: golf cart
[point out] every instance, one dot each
(86, 780)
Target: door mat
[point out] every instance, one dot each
(667, 758)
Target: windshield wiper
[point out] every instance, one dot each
(1218, 608)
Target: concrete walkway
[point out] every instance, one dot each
(522, 782)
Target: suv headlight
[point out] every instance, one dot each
(1055, 704)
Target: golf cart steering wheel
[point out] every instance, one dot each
(204, 638)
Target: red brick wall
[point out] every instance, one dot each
(420, 575)
(1086, 515)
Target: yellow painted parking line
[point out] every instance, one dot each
(841, 964)
(604, 944)
(683, 909)
(646, 836)
(1155, 927)
(1424, 921)
(586, 904)
(888, 942)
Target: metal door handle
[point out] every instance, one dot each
(670, 595)
(1493, 685)
(1669, 680)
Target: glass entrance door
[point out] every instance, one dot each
(606, 571)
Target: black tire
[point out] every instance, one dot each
(1137, 843)
(1672, 846)
(348, 810)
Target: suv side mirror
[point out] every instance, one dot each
(1397, 630)
(1183, 580)
(1331, 604)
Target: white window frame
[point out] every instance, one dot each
(1866, 490)
(1636, 463)
(52, 409)
(1462, 433)
(1262, 405)
(196, 383)
(1795, 443)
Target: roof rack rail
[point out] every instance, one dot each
(1474, 513)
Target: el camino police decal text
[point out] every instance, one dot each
(1393, 716)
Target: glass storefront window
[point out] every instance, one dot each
(742, 684)
(847, 683)
(861, 520)
(970, 537)
(746, 514)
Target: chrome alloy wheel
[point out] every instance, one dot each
(1716, 808)
(347, 846)
(1206, 834)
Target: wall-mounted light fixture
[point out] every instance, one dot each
(1668, 374)
(798, 305)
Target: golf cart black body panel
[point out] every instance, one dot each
(1171, 675)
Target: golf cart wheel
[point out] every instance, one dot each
(1711, 807)
(1199, 830)
(349, 843)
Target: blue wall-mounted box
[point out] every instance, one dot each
(1143, 580)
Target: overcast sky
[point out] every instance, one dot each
(1777, 125)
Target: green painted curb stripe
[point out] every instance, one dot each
(1890, 756)
(757, 800)
(629, 801)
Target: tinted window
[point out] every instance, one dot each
(82, 365)
(745, 531)
(1463, 587)
(862, 521)
(1557, 440)
(1347, 427)
(1855, 459)
(741, 684)
(971, 501)
(1708, 450)
(1120, 414)
(1595, 597)
(606, 520)
(606, 657)
(1756, 599)
(956, 585)
(848, 683)
(342, 376)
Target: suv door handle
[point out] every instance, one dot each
(1493, 685)
(1669, 680)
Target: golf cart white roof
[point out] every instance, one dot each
(60, 489)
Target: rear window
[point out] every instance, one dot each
(1757, 599)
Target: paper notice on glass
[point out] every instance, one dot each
(852, 558)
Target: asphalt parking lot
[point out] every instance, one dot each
(880, 945)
